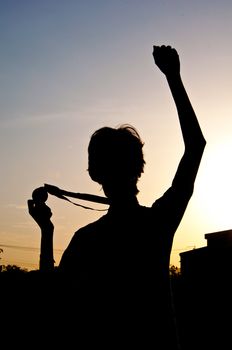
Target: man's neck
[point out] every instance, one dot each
(123, 203)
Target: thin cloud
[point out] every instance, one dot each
(16, 206)
(30, 121)
(36, 119)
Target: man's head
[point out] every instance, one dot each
(116, 158)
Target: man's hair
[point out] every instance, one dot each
(115, 153)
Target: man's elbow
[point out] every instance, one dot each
(200, 144)
(203, 143)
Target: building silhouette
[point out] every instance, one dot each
(213, 260)
(204, 296)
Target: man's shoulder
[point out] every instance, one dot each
(90, 228)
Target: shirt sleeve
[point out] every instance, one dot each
(71, 257)
(171, 207)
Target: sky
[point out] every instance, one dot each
(70, 67)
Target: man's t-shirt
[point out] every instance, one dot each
(123, 258)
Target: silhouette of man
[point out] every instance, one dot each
(125, 254)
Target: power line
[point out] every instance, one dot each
(25, 248)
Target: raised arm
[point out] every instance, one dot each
(167, 59)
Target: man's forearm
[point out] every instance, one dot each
(190, 127)
(46, 250)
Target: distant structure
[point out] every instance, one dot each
(214, 259)
(206, 294)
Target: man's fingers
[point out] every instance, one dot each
(32, 209)
(30, 204)
(156, 48)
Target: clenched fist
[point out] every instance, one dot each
(167, 59)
